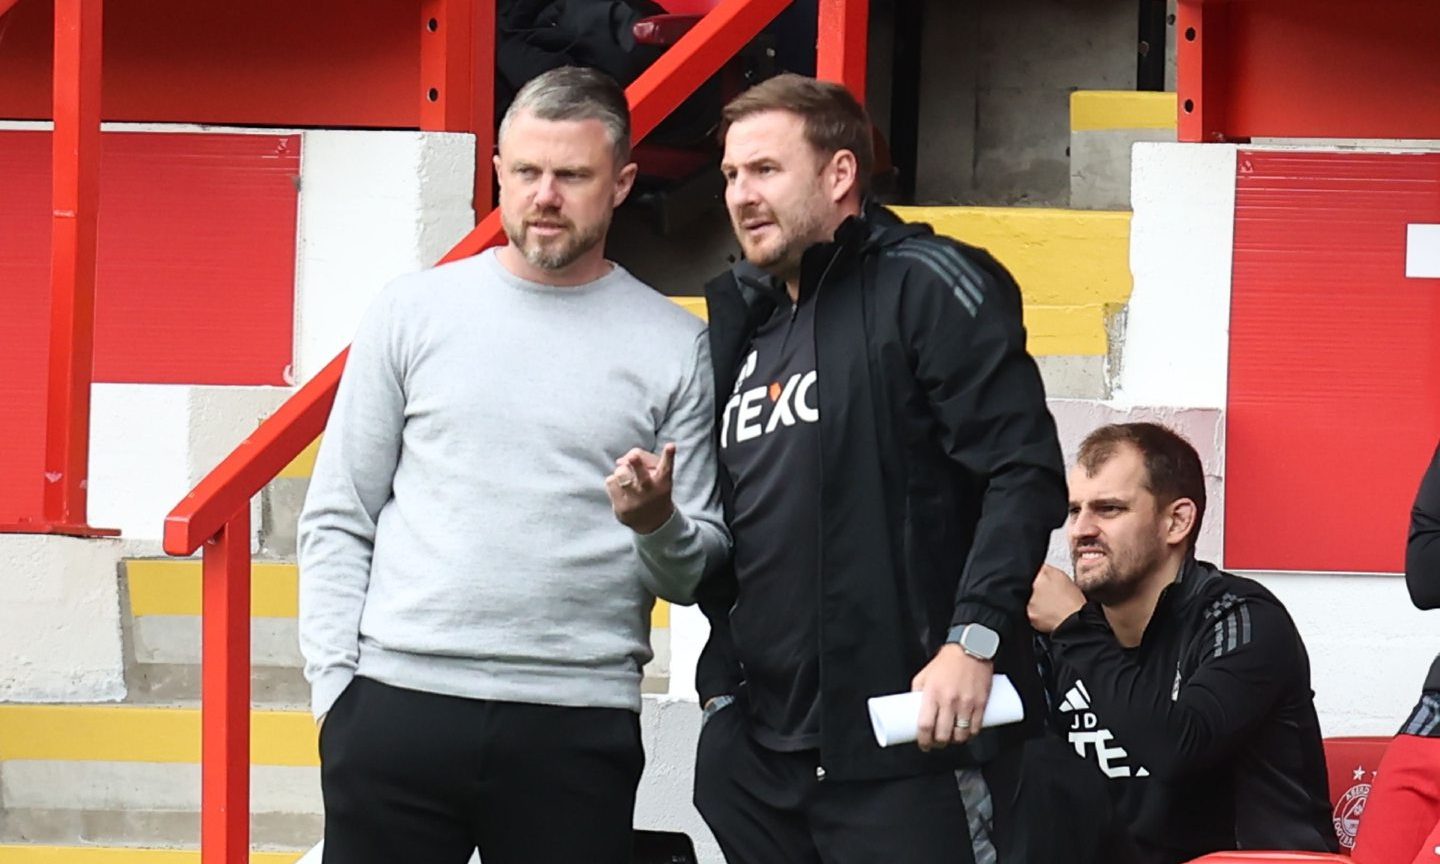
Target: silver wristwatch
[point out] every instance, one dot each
(977, 640)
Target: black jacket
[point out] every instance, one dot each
(1207, 730)
(941, 475)
(1422, 574)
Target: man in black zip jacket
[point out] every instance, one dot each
(1189, 688)
(891, 477)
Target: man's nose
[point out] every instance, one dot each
(740, 192)
(1082, 526)
(547, 192)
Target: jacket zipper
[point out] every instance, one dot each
(820, 531)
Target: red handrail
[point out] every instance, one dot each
(698, 55)
(216, 513)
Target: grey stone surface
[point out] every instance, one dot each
(1100, 166)
(149, 828)
(1021, 142)
(1074, 377)
(994, 103)
(280, 505)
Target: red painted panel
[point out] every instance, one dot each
(195, 280)
(257, 63)
(1334, 402)
(1308, 68)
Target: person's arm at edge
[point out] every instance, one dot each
(988, 395)
(694, 540)
(350, 484)
(1422, 552)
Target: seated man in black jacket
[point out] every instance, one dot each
(1188, 687)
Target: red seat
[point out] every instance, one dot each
(1268, 858)
(1351, 763)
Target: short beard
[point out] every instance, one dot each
(784, 261)
(557, 257)
(1121, 579)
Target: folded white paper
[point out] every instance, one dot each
(896, 718)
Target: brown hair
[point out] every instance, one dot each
(1172, 467)
(834, 120)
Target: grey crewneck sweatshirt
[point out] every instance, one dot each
(457, 537)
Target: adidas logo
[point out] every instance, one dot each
(1078, 699)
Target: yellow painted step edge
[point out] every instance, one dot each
(113, 733)
(160, 586)
(1100, 110)
(18, 854)
(172, 587)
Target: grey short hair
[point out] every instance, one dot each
(576, 93)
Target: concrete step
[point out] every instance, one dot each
(162, 632)
(1104, 125)
(1073, 267)
(129, 776)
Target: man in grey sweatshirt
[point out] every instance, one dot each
(519, 461)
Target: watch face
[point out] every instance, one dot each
(980, 641)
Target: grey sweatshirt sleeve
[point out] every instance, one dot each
(350, 485)
(694, 540)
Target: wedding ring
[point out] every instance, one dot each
(962, 723)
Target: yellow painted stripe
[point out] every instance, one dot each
(304, 464)
(694, 305)
(1094, 110)
(1059, 257)
(162, 586)
(172, 587)
(120, 855)
(1066, 330)
(113, 733)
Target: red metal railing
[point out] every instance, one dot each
(215, 514)
(75, 199)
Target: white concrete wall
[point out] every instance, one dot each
(150, 444)
(373, 206)
(1177, 332)
(59, 620)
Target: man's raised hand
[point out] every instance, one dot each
(639, 489)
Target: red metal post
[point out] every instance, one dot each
(225, 696)
(1200, 70)
(844, 35)
(457, 79)
(76, 190)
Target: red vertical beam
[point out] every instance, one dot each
(844, 35)
(75, 193)
(225, 696)
(457, 79)
(1202, 69)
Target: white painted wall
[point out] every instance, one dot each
(150, 444)
(1177, 333)
(374, 205)
(59, 620)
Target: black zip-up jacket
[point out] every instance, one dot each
(1206, 730)
(940, 475)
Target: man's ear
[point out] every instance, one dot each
(844, 172)
(624, 182)
(1180, 523)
